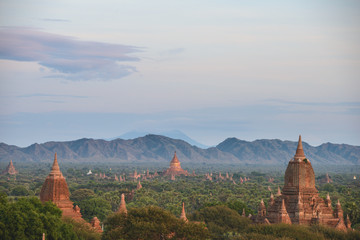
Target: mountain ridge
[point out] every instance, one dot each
(157, 148)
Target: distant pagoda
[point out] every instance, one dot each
(10, 169)
(183, 214)
(175, 168)
(122, 206)
(299, 201)
(55, 189)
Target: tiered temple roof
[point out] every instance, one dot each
(55, 189)
(299, 201)
(175, 168)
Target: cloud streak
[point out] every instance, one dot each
(54, 20)
(67, 57)
(50, 95)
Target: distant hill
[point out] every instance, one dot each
(157, 148)
(277, 151)
(175, 134)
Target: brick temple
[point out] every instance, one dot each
(10, 169)
(175, 168)
(55, 189)
(299, 201)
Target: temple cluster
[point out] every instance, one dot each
(299, 201)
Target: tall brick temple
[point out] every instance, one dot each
(299, 201)
(175, 168)
(55, 189)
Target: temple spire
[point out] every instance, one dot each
(175, 159)
(183, 214)
(55, 167)
(299, 151)
(122, 207)
(283, 214)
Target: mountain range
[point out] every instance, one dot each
(157, 148)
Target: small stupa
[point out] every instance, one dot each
(183, 214)
(122, 207)
(139, 186)
(95, 223)
(175, 168)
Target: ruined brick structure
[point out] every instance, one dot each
(95, 223)
(175, 168)
(299, 202)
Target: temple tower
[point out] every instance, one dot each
(299, 175)
(55, 189)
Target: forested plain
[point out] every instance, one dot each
(214, 208)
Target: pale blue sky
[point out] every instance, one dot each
(211, 69)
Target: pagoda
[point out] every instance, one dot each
(55, 189)
(10, 169)
(175, 168)
(183, 214)
(122, 207)
(299, 201)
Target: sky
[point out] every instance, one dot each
(211, 69)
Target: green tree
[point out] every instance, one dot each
(151, 223)
(83, 230)
(28, 218)
(221, 219)
(92, 207)
(82, 194)
(20, 191)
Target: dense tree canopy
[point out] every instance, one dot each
(28, 218)
(151, 223)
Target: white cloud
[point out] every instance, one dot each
(67, 57)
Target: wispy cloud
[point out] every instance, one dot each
(54, 20)
(286, 102)
(67, 57)
(49, 95)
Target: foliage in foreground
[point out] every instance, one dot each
(28, 218)
(83, 230)
(151, 223)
